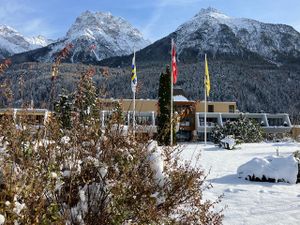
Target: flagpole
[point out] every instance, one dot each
(205, 107)
(133, 113)
(133, 106)
(171, 111)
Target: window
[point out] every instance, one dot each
(275, 121)
(210, 108)
(209, 121)
(231, 108)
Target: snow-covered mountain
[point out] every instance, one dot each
(12, 42)
(212, 31)
(94, 36)
(39, 41)
(111, 33)
(98, 36)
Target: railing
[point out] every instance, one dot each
(144, 121)
(34, 117)
(265, 121)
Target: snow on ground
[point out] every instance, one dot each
(279, 168)
(247, 202)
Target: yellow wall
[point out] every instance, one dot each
(221, 107)
(141, 105)
(146, 105)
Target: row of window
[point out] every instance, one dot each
(211, 108)
(140, 120)
(271, 121)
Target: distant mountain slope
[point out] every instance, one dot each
(12, 42)
(215, 32)
(94, 36)
(221, 36)
(98, 36)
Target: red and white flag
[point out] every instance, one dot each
(174, 66)
(93, 47)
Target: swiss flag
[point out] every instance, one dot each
(93, 47)
(174, 66)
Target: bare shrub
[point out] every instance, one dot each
(83, 174)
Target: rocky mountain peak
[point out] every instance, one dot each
(108, 36)
(12, 42)
(101, 23)
(6, 30)
(39, 41)
(212, 31)
(94, 36)
(212, 12)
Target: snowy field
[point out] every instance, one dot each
(246, 202)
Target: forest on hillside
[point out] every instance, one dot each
(255, 87)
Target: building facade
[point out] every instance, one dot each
(191, 114)
(191, 124)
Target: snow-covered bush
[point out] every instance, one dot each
(87, 175)
(243, 130)
(271, 168)
(228, 142)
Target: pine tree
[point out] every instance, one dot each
(164, 105)
(63, 108)
(85, 97)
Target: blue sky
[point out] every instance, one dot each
(155, 18)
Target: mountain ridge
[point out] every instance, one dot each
(13, 42)
(216, 32)
(94, 36)
(220, 36)
(209, 31)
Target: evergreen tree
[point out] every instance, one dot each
(164, 105)
(63, 108)
(85, 97)
(244, 130)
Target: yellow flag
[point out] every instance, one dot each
(133, 74)
(207, 80)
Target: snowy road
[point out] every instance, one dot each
(247, 203)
